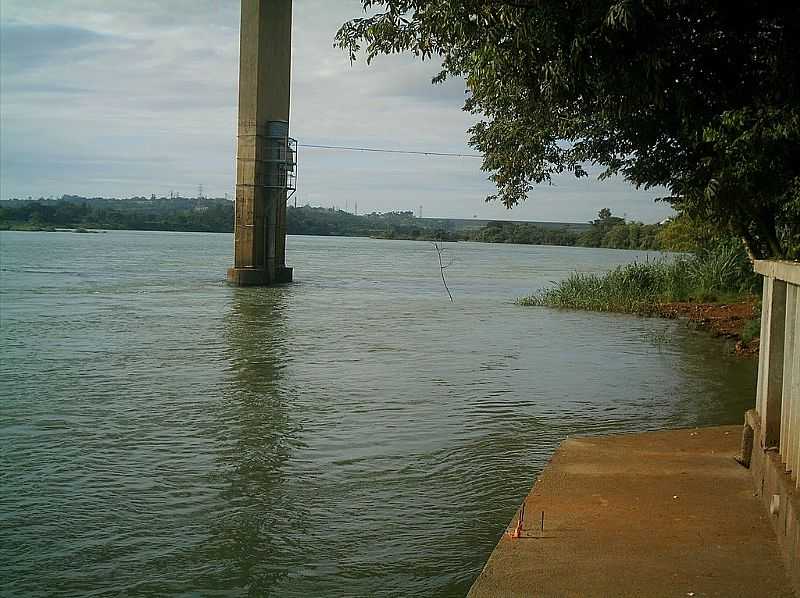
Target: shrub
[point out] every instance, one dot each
(722, 270)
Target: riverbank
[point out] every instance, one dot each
(26, 228)
(200, 214)
(654, 514)
(736, 321)
(714, 290)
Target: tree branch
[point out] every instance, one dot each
(442, 268)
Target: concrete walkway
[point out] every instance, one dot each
(656, 514)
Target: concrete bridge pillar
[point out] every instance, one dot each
(263, 154)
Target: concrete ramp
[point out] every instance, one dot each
(656, 514)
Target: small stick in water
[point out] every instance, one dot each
(542, 521)
(442, 268)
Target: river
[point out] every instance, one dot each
(351, 434)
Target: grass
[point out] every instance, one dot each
(721, 273)
(751, 330)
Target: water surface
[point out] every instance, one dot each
(351, 434)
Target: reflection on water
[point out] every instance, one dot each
(256, 432)
(727, 382)
(353, 434)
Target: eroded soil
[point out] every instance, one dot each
(723, 320)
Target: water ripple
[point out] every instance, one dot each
(350, 435)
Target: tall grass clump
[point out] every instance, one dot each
(721, 272)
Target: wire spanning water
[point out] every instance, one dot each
(353, 434)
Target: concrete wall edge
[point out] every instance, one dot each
(776, 491)
(780, 269)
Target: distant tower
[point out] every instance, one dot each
(419, 214)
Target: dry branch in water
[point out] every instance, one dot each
(442, 268)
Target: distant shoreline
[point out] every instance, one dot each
(217, 215)
(28, 229)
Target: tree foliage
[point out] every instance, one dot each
(204, 215)
(138, 213)
(700, 97)
(687, 235)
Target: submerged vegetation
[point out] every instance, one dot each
(722, 272)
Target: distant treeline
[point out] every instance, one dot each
(216, 215)
(306, 220)
(201, 215)
(606, 231)
(137, 213)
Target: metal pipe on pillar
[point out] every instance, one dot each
(265, 154)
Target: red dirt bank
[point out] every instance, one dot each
(723, 320)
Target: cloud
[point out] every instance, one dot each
(123, 97)
(27, 46)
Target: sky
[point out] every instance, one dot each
(119, 98)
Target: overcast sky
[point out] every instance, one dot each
(132, 97)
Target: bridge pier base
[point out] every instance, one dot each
(252, 277)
